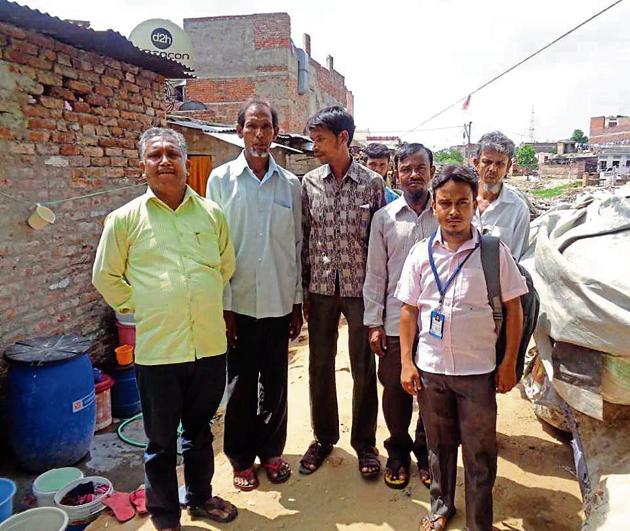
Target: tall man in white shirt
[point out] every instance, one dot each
(263, 301)
(500, 211)
(395, 229)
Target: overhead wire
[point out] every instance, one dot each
(497, 77)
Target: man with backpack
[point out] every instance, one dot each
(455, 375)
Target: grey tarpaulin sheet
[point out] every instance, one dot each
(579, 259)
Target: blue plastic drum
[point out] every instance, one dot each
(51, 409)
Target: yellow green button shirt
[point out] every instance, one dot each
(168, 268)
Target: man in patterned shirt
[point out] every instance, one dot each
(338, 202)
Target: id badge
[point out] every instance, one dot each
(437, 324)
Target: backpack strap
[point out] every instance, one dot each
(491, 271)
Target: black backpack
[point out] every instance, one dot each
(530, 301)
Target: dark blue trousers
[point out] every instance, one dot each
(189, 393)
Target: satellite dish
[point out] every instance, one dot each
(162, 37)
(193, 105)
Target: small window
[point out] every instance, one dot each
(615, 164)
(602, 164)
(628, 163)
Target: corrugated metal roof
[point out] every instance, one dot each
(226, 134)
(108, 43)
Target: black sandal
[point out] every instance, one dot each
(215, 509)
(315, 455)
(369, 459)
(391, 476)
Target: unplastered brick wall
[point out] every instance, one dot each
(69, 124)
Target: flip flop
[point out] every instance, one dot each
(215, 504)
(391, 477)
(248, 477)
(278, 470)
(138, 499)
(120, 505)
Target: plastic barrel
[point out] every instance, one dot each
(41, 519)
(125, 395)
(51, 406)
(7, 491)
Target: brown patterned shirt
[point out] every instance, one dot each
(336, 220)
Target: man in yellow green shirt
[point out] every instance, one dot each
(166, 256)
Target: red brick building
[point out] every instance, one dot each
(73, 103)
(609, 130)
(237, 57)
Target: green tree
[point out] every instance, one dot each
(449, 156)
(526, 158)
(579, 136)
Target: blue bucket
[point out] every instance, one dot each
(7, 491)
(125, 395)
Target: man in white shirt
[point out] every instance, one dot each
(500, 211)
(263, 301)
(395, 229)
(445, 301)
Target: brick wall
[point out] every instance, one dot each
(600, 133)
(69, 122)
(252, 55)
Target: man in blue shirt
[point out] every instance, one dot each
(263, 301)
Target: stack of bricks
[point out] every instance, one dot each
(69, 124)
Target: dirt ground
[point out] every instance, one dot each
(536, 488)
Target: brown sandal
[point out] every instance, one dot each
(215, 509)
(248, 478)
(315, 456)
(369, 459)
(436, 522)
(278, 470)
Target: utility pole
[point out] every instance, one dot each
(467, 133)
(532, 122)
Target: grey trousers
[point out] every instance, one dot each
(461, 409)
(323, 324)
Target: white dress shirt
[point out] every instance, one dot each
(265, 221)
(395, 229)
(507, 218)
(468, 345)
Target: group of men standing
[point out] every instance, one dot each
(222, 284)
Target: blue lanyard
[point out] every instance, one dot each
(443, 288)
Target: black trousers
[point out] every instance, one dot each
(398, 409)
(256, 414)
(454, 409)
(323, 325)
(189, 393)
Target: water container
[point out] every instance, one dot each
(47, 484)
(41, 519)
(79, 516)
(7, 491)
(125, 395)
(103, 402)
(51, 408)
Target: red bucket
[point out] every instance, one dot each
(103, 402)
(126, 334)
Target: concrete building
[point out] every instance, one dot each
(609, 130)
(236, 57)
(615, 157)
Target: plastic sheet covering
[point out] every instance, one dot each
(579, 258)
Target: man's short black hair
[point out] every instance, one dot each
(256, 102)
(334, 118)
(456, 172)
(376, 151)
(406, 150)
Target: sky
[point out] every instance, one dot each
(405, 60)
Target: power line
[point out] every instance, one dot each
(371, 131)
(495, 78)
